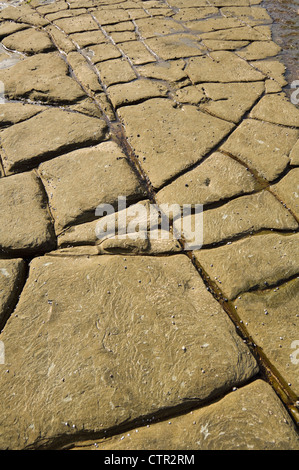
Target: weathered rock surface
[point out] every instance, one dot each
(12, 278)
(111, 326)
(218, 177)
(86, 352)
(13, 113)
(294, 155)
(251, 418)
(278, 109)
(42, 77)
(222, 66)
(258, 50)
(46, 135)
(271, 318)
(115, 71)
(230, 101)
(24, 216)
(264, 260)
(30, 41)
(183, 136)
(10, 27)
(176, 47)
(247, 214)
(99, 175)
(263, 146)
(287, 190)
(136, 91)
(77, 24)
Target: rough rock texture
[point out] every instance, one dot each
(48, 134)
(247, 214)
(183, 136)
(221, 66)
(112, 320)
(42, 77)
(263, 260)
(287, 190)
(31, 41)
(12, 278)
(23, 206)
(259, 423)
(99, 175)
(262, 146)
(86, 352)
(271, 317)
(218, 177)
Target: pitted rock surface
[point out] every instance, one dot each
(116, 332)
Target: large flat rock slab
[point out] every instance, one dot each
(217, 178)
(42, 77)
(263, 146)
(263, 260)
(223, 67)
(183, 136)
(244, 215)
(102, 340)
(266, 110)
(272, 320)
(99, 175)
(230, 101)
(47, 135)
(27, 226)
(30, 41)
(251, 418)
(287, 190)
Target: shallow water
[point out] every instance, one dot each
(285, 14)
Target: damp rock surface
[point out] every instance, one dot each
(149, 227)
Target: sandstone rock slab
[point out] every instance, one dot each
(258, 50)
(12, 113)
(10, 27)
(244, 33)
(272, 320)
(42, 77)
(264, 260)
(294, 155)
(247, 214)
(101, 52)
(30, 41)
(287, 190)
(262, 146)
(99, 175)
(47, 135)
(77, 23)
(87, 38)
(174, 137)
(136, 91)
(24, 216)
(12, 278)
(218, 177)
(151, 27)
(250, 15)
(137, 52)
(86, 352)
(278, 109)
(172, 71)
(115, 71)
(230, 101)
(176, 46)
(250, 418)
(223, 67)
